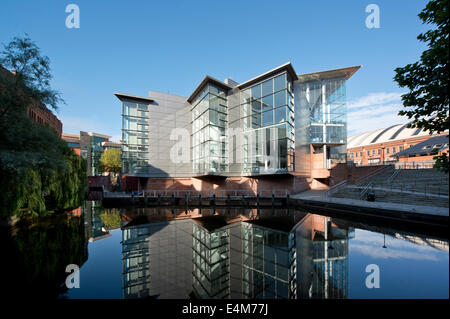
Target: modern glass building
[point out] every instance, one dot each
(219, 257)
(135, 127)
(89, 146)
(266, 262)
(211, 263)
(279, 122)
(209, 124)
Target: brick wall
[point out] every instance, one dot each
(291, 183)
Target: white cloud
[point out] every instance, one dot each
(380, 253)
(374, 99)
(374, 111)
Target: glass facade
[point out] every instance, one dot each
(265, 263)
(266, 117)
(326, 101)
(209, 123)
(135, 130)
(211, 274)
(272, 124)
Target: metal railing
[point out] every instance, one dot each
(414, 165)
(372, 174)
(204, 193)
(335, 188)
(393, 176)
(365, 190)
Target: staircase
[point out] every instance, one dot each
(405, 186)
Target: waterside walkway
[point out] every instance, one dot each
(432, 215)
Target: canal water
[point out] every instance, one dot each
(223, 253)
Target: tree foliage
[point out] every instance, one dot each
(427, 102)
(110, 160)
(38, 170)
(31, 83)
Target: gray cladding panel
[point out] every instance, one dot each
(167, 113)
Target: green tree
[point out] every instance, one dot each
(38, 171)
(110, 160)
(427, 101)
(31, 83)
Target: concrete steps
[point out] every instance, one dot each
(430, 186)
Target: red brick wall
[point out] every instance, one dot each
(385, 155)
(45, 116)
(291, 183)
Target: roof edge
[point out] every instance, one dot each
(205, 80)
(124, 96)
(346, 72)
(287, 66)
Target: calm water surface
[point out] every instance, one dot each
(234, 253)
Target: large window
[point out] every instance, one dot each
(135, 128)
(209, 122)
(264, 106)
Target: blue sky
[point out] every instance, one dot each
(169, 46)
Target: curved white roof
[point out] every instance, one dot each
(383, 135)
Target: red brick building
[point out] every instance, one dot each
(381, 146)
(39, 113)
(43, 115)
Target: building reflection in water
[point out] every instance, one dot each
(235, 254)
(321, 258)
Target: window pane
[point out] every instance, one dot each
(256, 91)
(267, 87)
(280, 114)
(267, 102)
(280, 98)
(256, 120)
(245, 96)
(268, 118)
(256, 106)
(280, 82)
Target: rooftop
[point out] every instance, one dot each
(438, 143)
(135, 98)
(329, 74)
(383, 135)
(287, 66)
(207, 79)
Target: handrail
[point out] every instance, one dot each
(394, 175)
(371, 174)
(334, 188)
(365, 190)
(204, 193)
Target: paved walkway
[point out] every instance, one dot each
(320, 196)
(396, 190)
